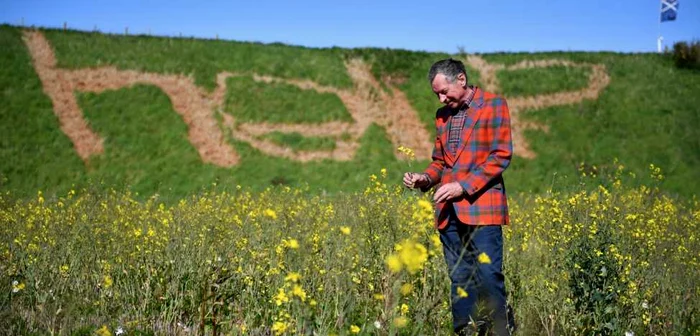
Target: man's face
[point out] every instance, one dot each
(450, 94)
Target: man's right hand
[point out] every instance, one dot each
(415, 180)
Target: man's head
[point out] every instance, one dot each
(448, 79)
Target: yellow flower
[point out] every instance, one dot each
(107, 282)
(484, 258)
(354, 329)
(281, 297)
(279, 327)
(400, 322)
(293, 277)
(104, 331)
(461, 292)
(293, 244)
(299, 291)
(394, 263)
(379, 296)
(17, 286)
(345, 230)
(406, 289)
(413, 255)
(404, 309)
(270, 213)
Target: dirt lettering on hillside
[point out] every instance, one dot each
(192, 103)
(367, 101)
(598, 79)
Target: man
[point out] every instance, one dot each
(472, 149)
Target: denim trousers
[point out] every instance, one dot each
(481, 279)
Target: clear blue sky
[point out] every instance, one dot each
(479, 26)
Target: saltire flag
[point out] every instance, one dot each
(669, 10)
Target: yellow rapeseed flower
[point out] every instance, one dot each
(292, 277)
(270, 213)
(404, 309)
(354, 329)
(281, 297)
(406, 289)
(279, 327)
(104, 331)
(394, 263)
(17, 286)
(345, 230)
(413, 255)
(299, 292)
(484, 258)
(293, 244)
(461, 292)
(107, 282)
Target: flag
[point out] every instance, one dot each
(669, 9)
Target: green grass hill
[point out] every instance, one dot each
(648, 112)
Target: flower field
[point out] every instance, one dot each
(608, 259)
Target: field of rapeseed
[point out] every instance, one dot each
(608, 260)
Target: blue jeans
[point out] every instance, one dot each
(462, 244)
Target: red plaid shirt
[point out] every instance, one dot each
(484, 152)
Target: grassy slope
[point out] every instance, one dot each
(648, 114)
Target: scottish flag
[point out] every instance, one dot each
(669, 9)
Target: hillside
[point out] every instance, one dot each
(175, 115)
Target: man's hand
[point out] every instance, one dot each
(447, 192)
(415, 180)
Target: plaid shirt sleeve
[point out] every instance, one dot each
(500, 152)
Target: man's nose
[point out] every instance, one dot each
(443, 98)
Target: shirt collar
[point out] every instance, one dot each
(467, 102)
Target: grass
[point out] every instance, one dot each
(298, 142)
(251, 101)
(203, 59)
(647, 114)
(536, 81)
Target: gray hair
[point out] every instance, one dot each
(451, 68)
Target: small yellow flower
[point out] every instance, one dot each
(379, 296)
(107, 282)
(394, 263)
(17, 286)
(279, 327)
(484, 258)
(354, 329)
(104, 331)
(299, 292)
(406, 289)
(292, 277)
(461, 292)
(345, 230)
(270, 213)
(404, 309)
(293, 244)
(281, 297)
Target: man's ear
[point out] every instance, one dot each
(462, 80)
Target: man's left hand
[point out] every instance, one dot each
(447, 192)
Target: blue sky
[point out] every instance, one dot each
(483, 26)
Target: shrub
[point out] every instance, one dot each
(687, 55)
